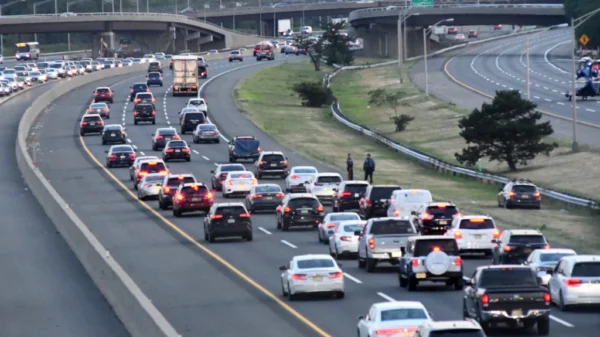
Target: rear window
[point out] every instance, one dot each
(102, 91)
(144, 95)
(507, 277)
(305, 171)
(144, 107)
(303, 202)
(235, 52)
(197, 102)
(329, 179)
(112, 128)
(122, 149)
(140, 86)
(392, 227)
(231, 210)
(524, 189)
(91, 118)
(177, 181)
(273, 157)
(154, 64)
(353, 228)
(230, 168)
(154, 75)
(316, 263)
(586, 269)
(527, 239)
(424, 247)
(457, 333)
(241, 175)
(344, 217)
(401, 314)
(553, 257)
(356, 188)
(194, 116)
(204, 127)
(383, 192)
(267, 189)
(194, 189)
(153, 179)
(442, 211)
(177, 144)
(56, 66)
(476, 224)
(167, 132)
(153, 167)
(98, 106)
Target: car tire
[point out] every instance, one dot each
(291, 297)
(249, 237)
(218, 141)
(465, 312)
(561, 302)
(283, 293)
(123, 142)
(161, 205)
(211, 239)
(402, 281)
(543, 326)
(141, 198)
(284, 226)
(103, 142)
(225, 195)
(81, 133)
(153, 147)
(507, 205)
(278, 226)
(176, 213)
(154, 122)
(361, 263)
(340, 295)
(108, 165)
(135, 187)
(135, 122)
(371, 264)
(189, 159)
(412, 283)
(459, 283)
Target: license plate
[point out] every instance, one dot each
(241, 184)
(396, 254)
(525, 196)
(517, 312)
(113, 134)
(304, 212)
(194, 121)
(167, 138)
(527, 250)
(177, 150)
(269, 198)
(443, 222)
(356, 195)
(318, 278)
(421, 275)
(92, 123)
(122, 157)
(477, 236)
(98, 110)
(231, 221)
(196, 199)
(273, 165)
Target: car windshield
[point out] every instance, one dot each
(267, 189)
(507, 277)
(425, 246)
(329, 179)
(153, 166)
(154, 179)
(196, 102)
(457, 333)
(476, 224)
(383, 192)
(241, 175)
(315, 263)
(342, 217)
(122, 149)
(391, 226)
(194, 189)
(402, 314)
(553, 257)
(235, 52)
(527, 239)
(305, 171)
(177, 144)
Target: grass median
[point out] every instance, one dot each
(266, 99)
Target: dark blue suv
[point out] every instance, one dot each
(154, 78)
(138, 87)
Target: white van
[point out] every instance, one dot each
(404, 202)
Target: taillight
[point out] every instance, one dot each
(458, 215)
(132, 91)
(209, 195)
(346, 238)
(287, 210)
(169, 150)
(547, 247)
(396, 212)
(511, 194)
(254, 181)
(415, 262)
(244, 215)
(330, 225)
(320, 208)
(261, 163)
(142, 173)
(113, 156)
(159, 137)
(485, 300)
(336, 275)
(229, 182)
(185, 149)
(573, 282)
(100, 122)
(147, 185)
(167, 189)
(345, 194)
(537, 195)
(294, 177)
(147, 78)
(175, 137)
(371, 243)
(223, 175)
(394, 331)
(179, 196)
(369, 202)
(135, 113)
(163, 172)
(279, 195)
(147, 90)
(91, 110)
(547, 298)
(284, 162)
(84, 123)
(458, 261)
(153, 113)
(426, 216)
(496, 234)
(299, 277)
(217, 216)
(458, 235)
(132, 156)
(105, 110)
(257, 196)
(507, 248)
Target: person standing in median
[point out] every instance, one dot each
(350, 167)
(369, 168)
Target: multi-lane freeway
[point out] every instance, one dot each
(227, 288)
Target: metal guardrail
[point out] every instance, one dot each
(501, 5)
(433, 162)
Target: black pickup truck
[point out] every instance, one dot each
(507, 294)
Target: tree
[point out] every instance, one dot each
(577, 8)
(391, 99)
(314, 49)
(335, 44)
(313, 94)
(508, 130)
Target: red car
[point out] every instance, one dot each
(472, 34)
(452, 31)
(192, 197)
(498, 27)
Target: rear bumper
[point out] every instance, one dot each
(177, 156)
(194, 206)
(225, 231)
(155, 82)
(524, 202)
(265, 204)
(503, 316)
(303, 221)
(451, 275)
(92, 129)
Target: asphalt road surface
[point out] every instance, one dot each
(196, 290)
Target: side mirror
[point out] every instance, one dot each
(106, 151)
(525, 263)
(430, 314)
(212, 171)
(152, 135)
(357, 233)
(282, 268)
(307, 182)
(286, 158)
(403, 250)
(334, 189)
(340, 265)
(496, 241)
(360, 318)
(413, 213)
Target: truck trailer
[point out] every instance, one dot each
(185, 75)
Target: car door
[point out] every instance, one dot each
(470, 295)
(557, 278)
(365, 324)
(362, 243)
(285, 276)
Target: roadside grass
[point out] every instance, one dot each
(435, 131)
(265, 98)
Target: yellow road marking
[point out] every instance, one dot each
(215, 256)
(464, 85)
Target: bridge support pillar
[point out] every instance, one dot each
(102, 41)
(382, 41)
(181, 40)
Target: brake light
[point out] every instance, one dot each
(458, 261)
(113, 156)
(185, 149)
(284, 162)
(415, 262)
(147, 90)
(573, 282)
(175, 137)
(105, 110)
(287, 210)
(229, 182)
(396, 212)
(458, 215)
(135, 113)
(179, 196)
(511, 194)
(147, 78)
(477, 220)
(336, 275)
(436, 249)
(458, 235)
(209, 195)
(91, 110)
(100, 122)
(369, 202)
(496, 234)
(169, 150)
(547, 247)
(299, 277)
(167, 189)
(346, 238)
(217, 216)
(294, 177)
(223, 175)
(244, 215)
(163, 172)
(507, 249)
(132, 156)
(261, 163)
(392, 332)
(84, 123)
(142, 173)
(345, 194)
(426, 216)
(547, 298)
(153, 113)
(147, 185)
(159, 137)
(279, 195)
(371, 243)
(330, 225)
(257, 196)
(485, 300)
(132, 91)
(320, 208)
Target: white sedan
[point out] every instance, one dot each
(238, 182)
(328, 224)
(323, 184)
(543, 261)
(150, 185)
(52, 74)
(198, 103)
(312, 274)
(401, 319)
(300, 177)
(343, 241)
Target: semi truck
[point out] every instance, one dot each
(185, 75)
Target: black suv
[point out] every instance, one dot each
(144, 112)
(169, 187)
(190, 120)
(154, 67)
(176, 150)
(192, 197)
(138, 87)
(435, 218)
(227, 220)
(271, 163)
(519, 193)
(348, 195)
(515, 245)
(91, 123)
(299, 209)
(376, 201)
(114, 133)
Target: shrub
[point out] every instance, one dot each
(313, 94)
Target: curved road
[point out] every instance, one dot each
(167, 256)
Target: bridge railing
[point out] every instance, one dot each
(461, 5)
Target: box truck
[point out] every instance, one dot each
(185, 75)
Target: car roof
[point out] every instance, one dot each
(113, 126)
(146, 158)
(229, 204)
(302, 195)
(328, 174)
(272, 152)
(151, 160)
(360, 182)
(583, 258)
(449, 325)
(504, 266)
(304, 167)
(121, 146)
(91, 115)
(236, 172)
(164, 129)
(525, 232)
(399, 305)
(172, 175)
(311, 257)
(468, 217)
(99, 103)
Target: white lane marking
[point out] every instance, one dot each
(142, 153)
(561, 103)
(536, 97)
(264, 231)
(547, 100)
(348, 276)
(128, 140)
(205, 157)
(168, 122)
(558, 320)
(196, 152)
(548, 61)
(288, 244)
(590, 110)
(390, 299)
(135, 147)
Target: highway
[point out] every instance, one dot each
(202, 287)
(46, 291)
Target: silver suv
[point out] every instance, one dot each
(433, 258)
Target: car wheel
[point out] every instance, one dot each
(370, 265)
(283, 293)
(211, 238)
(284, 226)
(319, 238)
(278, 223)
(465, 312)
(291, 297)
(402, 281)
(188, 159)
(412, 283)
(176, 212)
(459, 283)
(340, 295)
(141, 198)
(103, 142)
(218, 141)
(154, 122)
(249, 237)
(561, 302)
(506, 204)
(81, 133)
(361, 263)
(162, 205)
(543, 326)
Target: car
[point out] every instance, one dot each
(238, 183)
(114, 133)
(38, 77)
(103, 94)
(227, 220)
(148, 58)
(435, 218)
(466, 328)
(575, 281)
(401, 318)
(474, 233)
(148, 167)
(136, 88)
(176, 150)
(12, 83)
(144, 97)
(150, 186)
(192, 197)
(264, 197)
(544, 261)
(299, 177)
(515, 245)
(344, 241)
(348, 195)
(433, 258)
(161, 136)
(243, 147)
(5, 90)
(291, 50)
(326, 228)
(155, 67)
(218, 176)
(472, 34)
(91, 123)
(186, 110)
(135, 166)
(144, 112)
(25, 77)
(198, 103)
(405, 202)
(460, 37)
(170, 185)
(519, 193)
(97, 66)
(299, 209)
(382, 239)
(236, 55)
(376, 200)
(306, 30)
(324, 185)
(206, 133)
(497, 27)
(452, 31)
(108, 64)
(101, 109)
(271, 163)
(120, 155)
(496, 295)
(190, 118)
(52, 74)
(312, 274)
(266, 51)
(154, 78)
(137, 61)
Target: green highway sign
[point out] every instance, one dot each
(422, 3)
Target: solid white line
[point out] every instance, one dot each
(196, 152)
(536, 97)
(264, 231)
(168, 122)
(205, 157)
(352, 278)
(561, 103)
(548, 61)
(386, 297)
(128, 140)
(288, 244)
(590, 110)
(558, 320)
(135, 147)
(142, 153)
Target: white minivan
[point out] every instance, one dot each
(404, 202)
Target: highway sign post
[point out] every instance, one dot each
(584, 39)
(422, 3)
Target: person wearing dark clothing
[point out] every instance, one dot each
(369, 168)
(350, 167)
